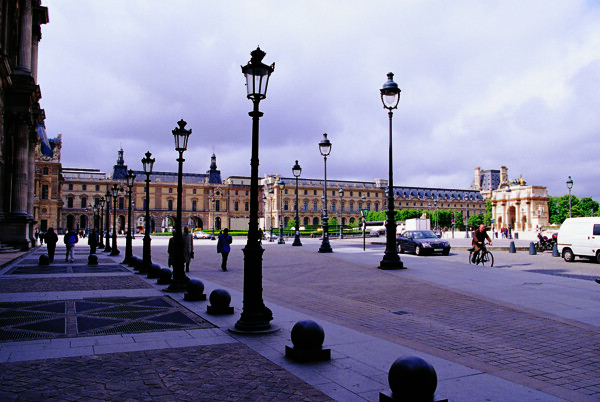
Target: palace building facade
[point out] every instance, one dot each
(65, 198)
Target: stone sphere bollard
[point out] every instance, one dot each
(307, 337)
(153, 271)
(138, 266)
(412, 378)
(132, 262)
(164, 277)
(195, 290)
(92, 259)
(219, 302)
(44, 260)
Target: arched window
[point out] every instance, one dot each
(306, 220)
(315, 221)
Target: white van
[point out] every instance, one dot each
(579, 237)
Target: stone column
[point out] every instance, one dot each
(20, 182)
(25, 33)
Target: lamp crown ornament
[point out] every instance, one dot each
(390, 93)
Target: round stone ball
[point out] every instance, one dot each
(155, 268)
(219, 298)
(412, 378)
(139, 263)
(132, 261)
(307, 335)
(195, 287)
(92, 259)
(44, 259)
(165, 274)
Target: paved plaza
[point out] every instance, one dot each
(526, 329)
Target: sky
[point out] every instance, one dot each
(484, 84)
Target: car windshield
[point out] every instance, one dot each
(427, 234)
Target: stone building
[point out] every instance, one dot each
(211, 203)
(21, 117)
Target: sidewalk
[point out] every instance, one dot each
(490, 334)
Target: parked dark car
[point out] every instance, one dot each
(422, 242)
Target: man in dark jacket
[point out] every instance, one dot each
(479, 238)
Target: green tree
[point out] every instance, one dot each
(588, 207)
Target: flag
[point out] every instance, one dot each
(45, 148)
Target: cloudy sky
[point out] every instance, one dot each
(484, 83)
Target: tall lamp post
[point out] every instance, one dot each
(255, 317)
(128, 241)
(115, 194)
(341, 193)
(296, 171)
(101, 217)
(390, 96)
(107, 196)
(148, 163)
(325, 150)
(271, 196)
(364, 211)
(466, 215)
(178, 284)
(570, 186)
(281, 186)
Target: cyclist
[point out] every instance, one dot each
(479, 237)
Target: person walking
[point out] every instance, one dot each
(223, 247)
(70, 239)
(51, 240)
(93, 241)
(188, 248)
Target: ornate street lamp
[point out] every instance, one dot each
(178, 284)
(570, 186)
(364, 211)
(100, 221)
(296, 171)
(271, 194)
(148, 163)
(390, 96)
(341, 193)
(467, 215)
(128, 240)
(281, 186)
(115, 194)
(255, 317)
(107, 196)
(325, 150)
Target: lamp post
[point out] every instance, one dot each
(435, 213)
(178, 284)
(466, 215)
(100, 221)
(214, 217)
(271, 194)
(107, 196)
(364, 212)
(296, 171)
(390, 96)
(255, 317)
(128, 241)
(88, 209)
(281, 186)
(325, 150)
(341, 193)
(115, 194)
(570, 186)
(147, 162)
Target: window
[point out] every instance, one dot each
(351, 193)
(306, 220)
(45, 170)
(315, 221)
(170, 190)
(235, 206)
(236, 193)
(194, 191)
(69, 202)
(351, 207)
(246, 206)
(285, 191)
(144, 206)
(315, 191)
(217, 205)
(70, 187)
(315, 206)
(170, 205)
(596, 230)
(305, 192)
(285, 205)
(97, 187)
(194, 205)
(333, 206)
(83, 202)
(84, 187)
(342, 206)
(306, 206)
(121, 202)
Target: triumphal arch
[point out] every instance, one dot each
(520, 207)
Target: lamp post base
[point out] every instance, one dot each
(115, 251)
(391, 261)
(325, 248)
(297, 241)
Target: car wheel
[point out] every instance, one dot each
(446, 251)
(419, 250)
(568, 255)
(400, 249)
(598, 256)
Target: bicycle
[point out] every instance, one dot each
(483, 257)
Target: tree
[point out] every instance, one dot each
(588, 207)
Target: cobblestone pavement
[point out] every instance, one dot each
(526, 346)
(230, 372)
